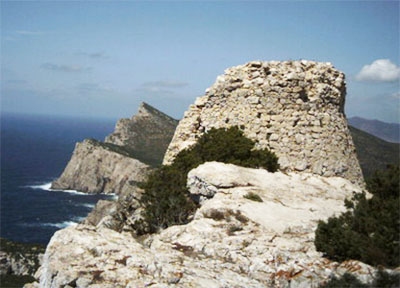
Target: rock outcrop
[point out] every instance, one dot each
(125, 158)
(19, 258)
(95, 168)
(148, 134)
(294, 108)
(231, 242)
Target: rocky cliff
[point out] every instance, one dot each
(148, 134)
(233, 241)
(96, 168)
(116, 165)
(294, 108)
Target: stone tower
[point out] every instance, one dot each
(293, 108)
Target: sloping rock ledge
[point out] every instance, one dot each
(231, 242)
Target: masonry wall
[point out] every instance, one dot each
(294, 108)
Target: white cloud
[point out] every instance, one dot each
(381, 70)
(65, 68)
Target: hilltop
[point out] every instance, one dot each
(389, 132)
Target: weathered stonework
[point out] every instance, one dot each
(294, 108)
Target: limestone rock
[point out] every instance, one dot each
(102, 209)
(94, 168)
(294, 108)
(148, 133)
(116, 165)
(231, 242)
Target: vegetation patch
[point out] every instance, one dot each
(166, 199)
(27, 254)
(382, 280)
(232, 229)
(126, 151)
(215, 214)
(253, 197)
(369, 230)
(18, 281)
(374, 153)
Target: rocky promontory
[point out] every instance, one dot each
(98, 168)
(125, 158)
(147, 134)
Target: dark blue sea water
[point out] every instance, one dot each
(34, 152)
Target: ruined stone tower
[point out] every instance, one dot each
(294, 108)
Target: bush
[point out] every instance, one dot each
(166, 200)
(346, 281)
(370, 229)
(382, 279)
(253, 196)
(386, 280)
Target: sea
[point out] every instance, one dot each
(34, 152)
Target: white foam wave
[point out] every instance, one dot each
(78, 219)
(71, 192)
(57, 225)
(47, 187)
(60, 225)
(87, 205)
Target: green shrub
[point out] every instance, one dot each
(166, 200)
(346, 281)
(215, 214)
(253, 196)
(386, 280)
(227, 146)
(369, 230)
(382, 279)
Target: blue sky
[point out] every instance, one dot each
(101, 59)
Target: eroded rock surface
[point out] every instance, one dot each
(148, 134)
(233, 241)
(116, 165)
(94, 168)
(294, 108)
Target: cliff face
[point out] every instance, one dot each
(148, 133)
(231, 242)
(293, 108)
(94, 168)
(116, 165)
